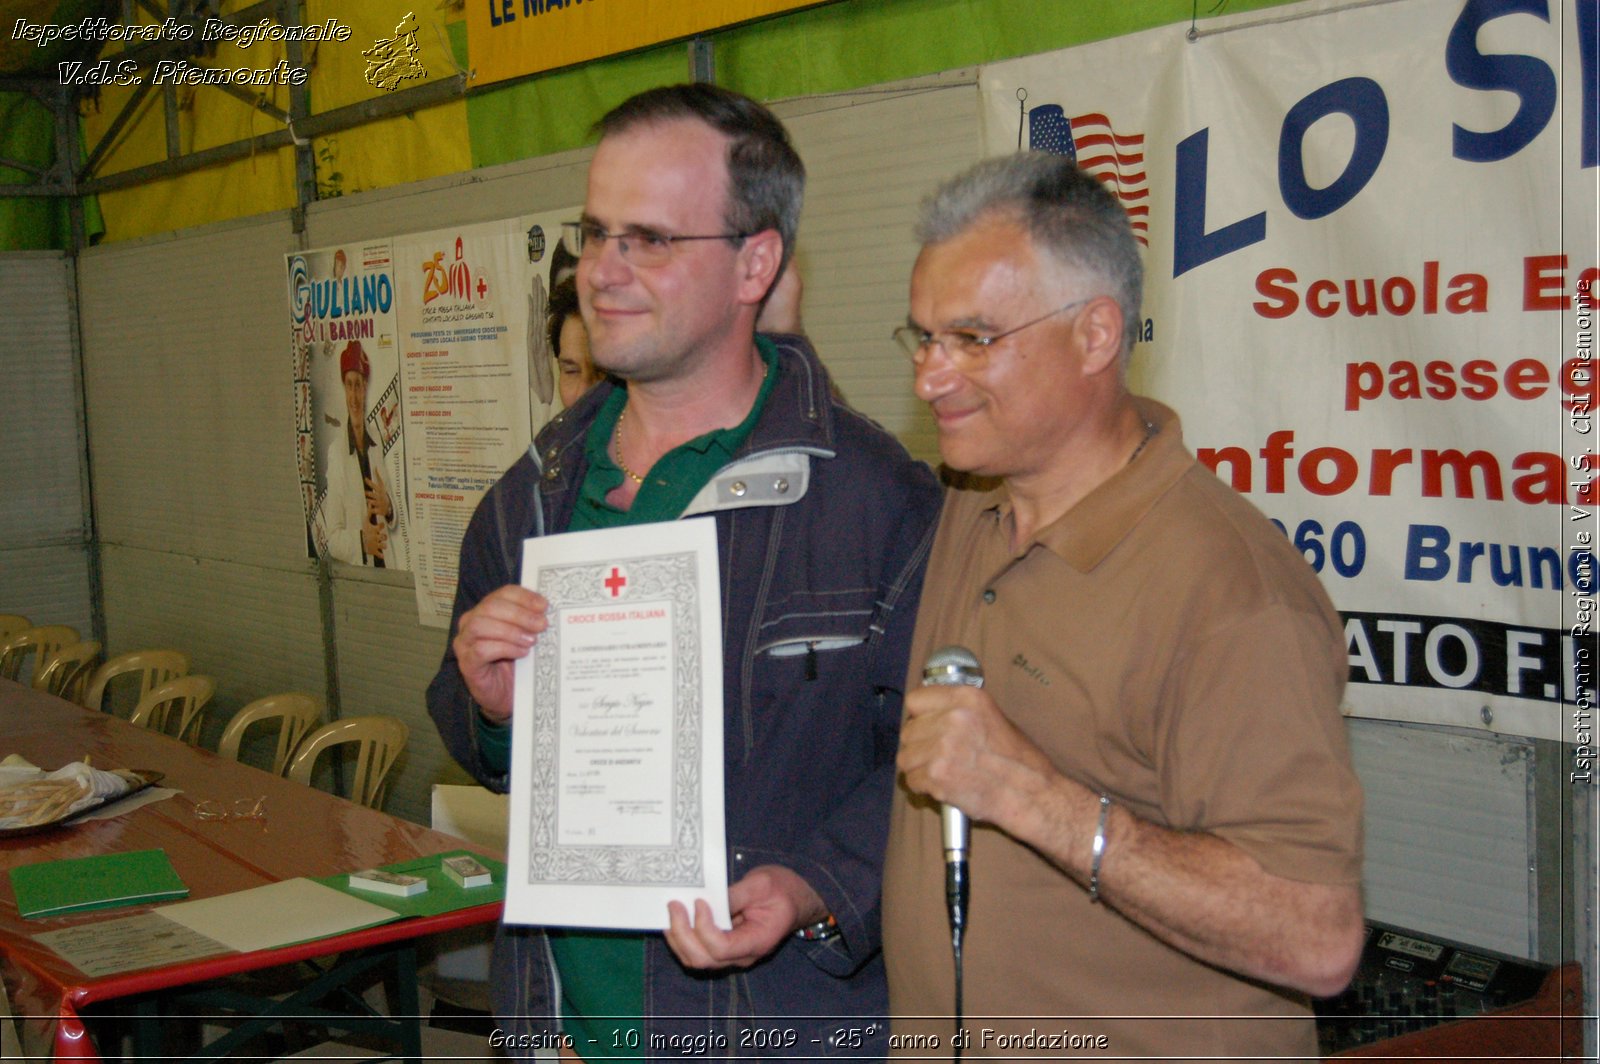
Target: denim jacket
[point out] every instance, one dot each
(824, 524)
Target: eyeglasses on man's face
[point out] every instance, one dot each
(637, 245)
(967, 349)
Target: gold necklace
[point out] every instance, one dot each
(622, 465)
(635, 477)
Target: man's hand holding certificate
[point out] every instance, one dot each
(768, 903)
(493, 634)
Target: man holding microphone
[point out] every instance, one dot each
(1165, 853)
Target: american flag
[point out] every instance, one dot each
(1117, 159)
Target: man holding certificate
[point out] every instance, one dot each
(823, 525)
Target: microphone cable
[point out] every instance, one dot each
(955, 888)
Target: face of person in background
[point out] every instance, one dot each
(575, 369)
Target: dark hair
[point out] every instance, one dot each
(1068, 213)
(766, 179)
(563, 304)
(563, 263)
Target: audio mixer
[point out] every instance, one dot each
(1416, 994)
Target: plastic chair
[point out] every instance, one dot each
(187, 694)
(157, 667)
(381, 739)
(41, 642)
(296, 714)
(68, 670)
(11, 624)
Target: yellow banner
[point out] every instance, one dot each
(512, 38)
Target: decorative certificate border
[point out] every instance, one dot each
(651, 579)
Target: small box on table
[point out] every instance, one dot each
(467, 871)
(380, 882)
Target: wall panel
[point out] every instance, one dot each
(188, 380)
(44, 526)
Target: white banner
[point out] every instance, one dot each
(1369, 229)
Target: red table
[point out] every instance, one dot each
(306, 833)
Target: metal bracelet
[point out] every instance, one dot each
(1099, 850)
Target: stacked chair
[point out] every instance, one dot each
(40, 642)
(294, 713)
(66, 674)
(168, 699)
(172, 701)
(378, 740)
(184, 699)
(153, 667)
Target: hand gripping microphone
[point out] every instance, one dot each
(954, 667)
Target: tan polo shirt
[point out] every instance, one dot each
(1164, 644)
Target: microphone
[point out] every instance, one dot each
(954, 667)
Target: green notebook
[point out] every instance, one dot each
(54, 888)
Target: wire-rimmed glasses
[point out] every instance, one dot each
(968, 350)
(638, 245)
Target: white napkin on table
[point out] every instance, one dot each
(94, 786)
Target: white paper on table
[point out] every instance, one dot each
(110, 947)
(124, 806)
(616, 756)
(278, 914)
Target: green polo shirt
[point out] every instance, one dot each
(602, 972)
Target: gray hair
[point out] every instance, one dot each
(1067, 212)
(766, 179)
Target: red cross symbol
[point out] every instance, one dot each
(615, 582)
(482, 288)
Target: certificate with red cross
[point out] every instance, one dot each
(616, 754)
